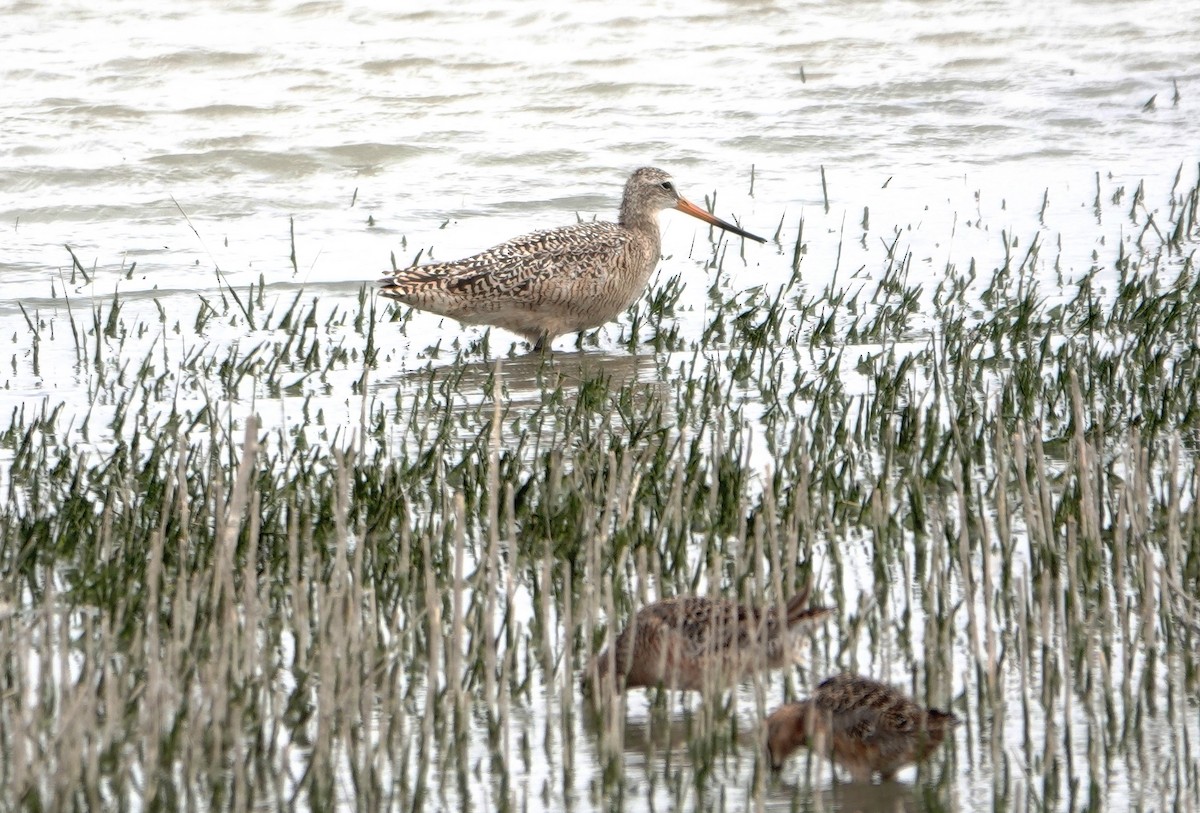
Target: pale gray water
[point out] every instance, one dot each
(497, 119)
(504, 118)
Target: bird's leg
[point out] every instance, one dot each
(542, 345)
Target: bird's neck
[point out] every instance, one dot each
(638, 220)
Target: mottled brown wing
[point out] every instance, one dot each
(861, 724)
(515, 269)
(867, 709)
(711, 625)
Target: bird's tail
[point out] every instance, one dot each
(943, 719)
(799, 612)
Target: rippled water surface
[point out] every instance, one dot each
(489, 119)
(187, 151)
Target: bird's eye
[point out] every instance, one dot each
(666, 185)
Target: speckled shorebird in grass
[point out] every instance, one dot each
(863, 725)
(691, 642)
(559, 281)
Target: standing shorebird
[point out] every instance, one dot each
(863, 725)
(559, 281)
(690, 642)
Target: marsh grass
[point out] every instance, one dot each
(385, 598)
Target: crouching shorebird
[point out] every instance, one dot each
(691, 642)
(565, 280)
(863, 725)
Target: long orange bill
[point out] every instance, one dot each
(689, 208)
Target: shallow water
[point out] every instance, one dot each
(188, 142)
(197, 140)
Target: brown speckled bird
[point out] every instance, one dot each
(559, 281)
(863, 725)
(688, 642)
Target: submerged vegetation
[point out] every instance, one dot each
(285, 570)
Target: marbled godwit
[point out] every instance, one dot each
(863, 725)
(559, 281)
(689, 642)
